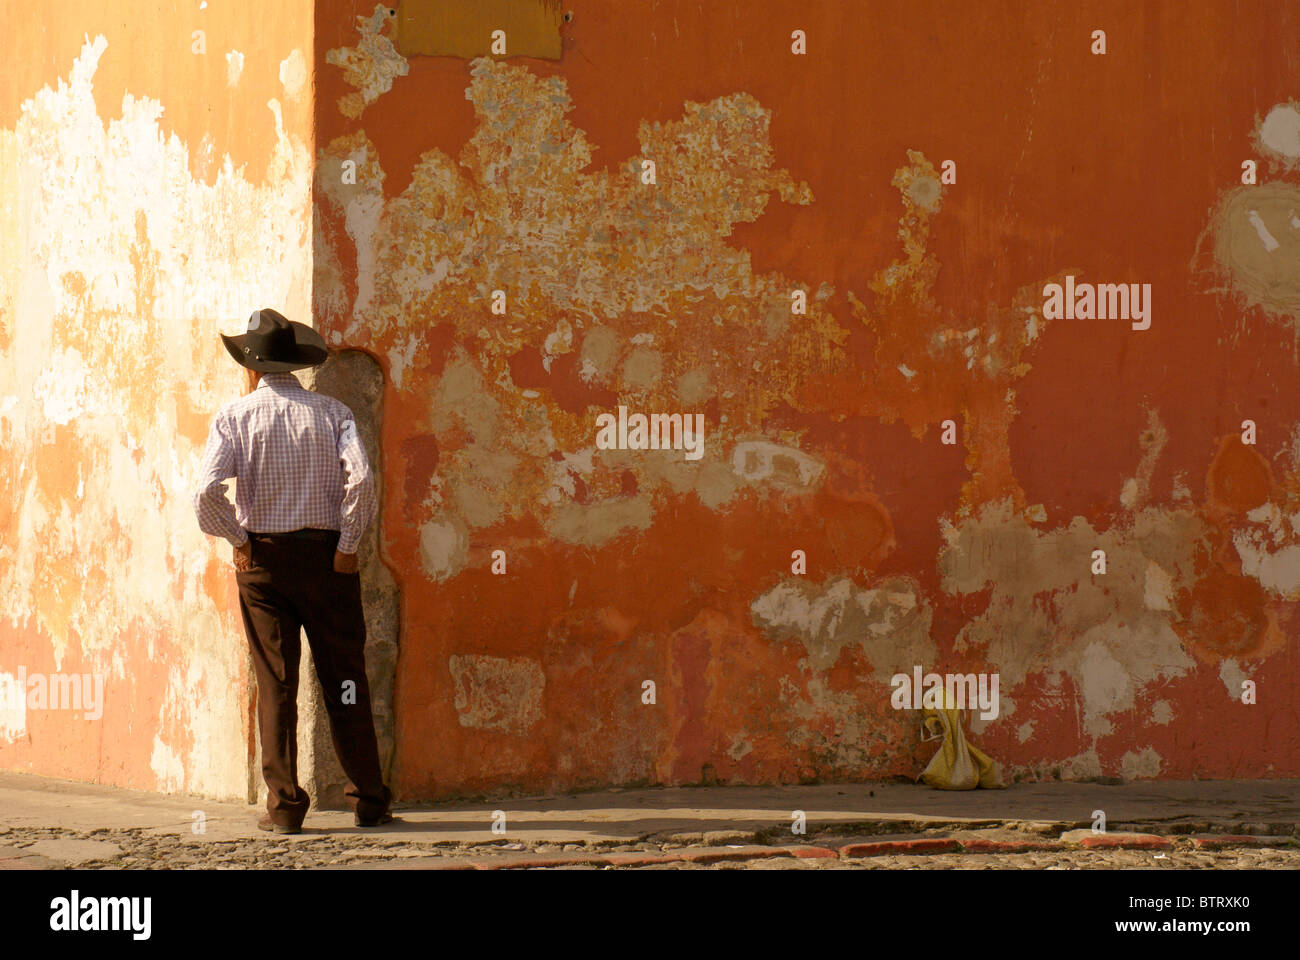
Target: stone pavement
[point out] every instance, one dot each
(53, 824)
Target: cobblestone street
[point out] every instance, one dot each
(110, 849)
(51, 824)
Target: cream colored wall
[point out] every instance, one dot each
(156, 191)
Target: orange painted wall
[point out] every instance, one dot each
(1107, 167)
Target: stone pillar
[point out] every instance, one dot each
(355, 378)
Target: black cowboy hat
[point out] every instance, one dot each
(272, 344)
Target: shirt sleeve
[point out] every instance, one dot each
(214, 511)
(358, 508)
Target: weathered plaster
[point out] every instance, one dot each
(822, 430)
(1256, 244)
(372, 65)
(119, 267)
(623, 292)
(1278, 134)
(890, 622)
(489, 423)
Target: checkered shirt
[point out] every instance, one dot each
(297, 462)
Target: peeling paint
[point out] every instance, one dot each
(1256, 246)
(103, 565)
(564, 263)
(495, 693)
(1232, 675)
(13, 709)
(1141, 764)
(889, 622)
(1048, 613)
(371, 66)
(234, 67)
(1278, 134)
(923, 307)
(293, 75)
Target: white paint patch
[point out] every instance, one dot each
(13, 708)
(498, 693)
(167, 767)
(1025, 731)
(442, 549)
(1280, 131)
(1143, 765)
(1277, 571)
(1105, 686)
(1232, 675)
(371, 65)
(906, 371)
(761, 460)
(293, 74)
(1162, 712)
(1266, 238)
(886, 622)
(363, 206)
(234, 67)
(1267, 513)
(1103, 639)
(1128, 496)
(1159, 587)
(399, 358)
(1083, 766)
(361, 219)
(61, 387)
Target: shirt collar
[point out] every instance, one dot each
(278, 380)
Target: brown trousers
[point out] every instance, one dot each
(291, 583)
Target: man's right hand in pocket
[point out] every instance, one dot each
(345, 562)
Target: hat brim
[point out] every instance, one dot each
(309, 350)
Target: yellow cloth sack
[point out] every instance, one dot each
(958, 765)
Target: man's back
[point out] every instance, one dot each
(298, 463)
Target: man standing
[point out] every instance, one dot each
(304, 495)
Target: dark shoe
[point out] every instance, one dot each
(266, 823)
(378, 821)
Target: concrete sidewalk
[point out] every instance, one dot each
(62, 823)
(620, 815)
